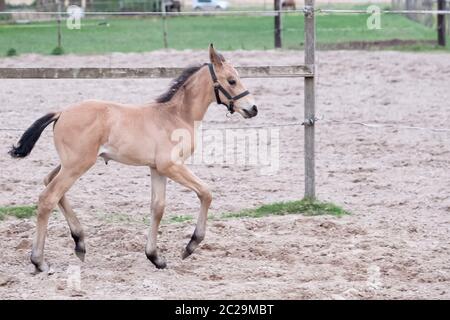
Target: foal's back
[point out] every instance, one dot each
(125, 133)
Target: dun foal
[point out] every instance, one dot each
(139, 136)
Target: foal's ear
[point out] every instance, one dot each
(216, 58)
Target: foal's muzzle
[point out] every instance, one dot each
(250, 113)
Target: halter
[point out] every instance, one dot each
(218, 88)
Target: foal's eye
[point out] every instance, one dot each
(232, 82)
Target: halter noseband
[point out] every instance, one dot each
(218, 88)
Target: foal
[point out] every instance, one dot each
(139, 136)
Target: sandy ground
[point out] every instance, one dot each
(396, 183)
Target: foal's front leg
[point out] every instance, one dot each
(182, 175)
(157, 208)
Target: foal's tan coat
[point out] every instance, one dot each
(134, 135)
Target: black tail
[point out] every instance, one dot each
(31, 136)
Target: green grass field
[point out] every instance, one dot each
(228, 33)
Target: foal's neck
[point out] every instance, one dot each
(196, 97)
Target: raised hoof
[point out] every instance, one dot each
(161, 265)
(186, 253)
(81, 254)
(192, 245)
(159, 262)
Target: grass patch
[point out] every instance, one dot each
(57, 51)
(305, 207)
(20, 212)
(180, 219)
(421, 48)
(11, 52)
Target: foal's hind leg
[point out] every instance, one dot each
(158, 204)
(47, 201)
(74, 225)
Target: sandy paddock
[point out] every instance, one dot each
(396, 183)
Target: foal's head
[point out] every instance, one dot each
(229, 87)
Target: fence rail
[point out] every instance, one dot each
(146, 73)
(270, 13)
(446, 12)
(159, 14)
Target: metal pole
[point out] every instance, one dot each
(310, 100)
(164, 21)
(441, 25)
(59, 25)
(277, 7)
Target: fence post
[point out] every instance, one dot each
(59, 8)
(310, 99)
(277, 7)
(441, 27)
(164, 21)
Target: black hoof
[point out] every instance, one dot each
(186, 253)
(161, 265)
(40, 267)
(80, 250)
(81, 254)
(192, 245)
(159, 262)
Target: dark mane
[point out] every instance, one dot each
(177, 83)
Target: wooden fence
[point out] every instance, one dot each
(307, 71)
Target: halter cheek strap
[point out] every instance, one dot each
(218, 88)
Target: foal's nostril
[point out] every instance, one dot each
(255, 110)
